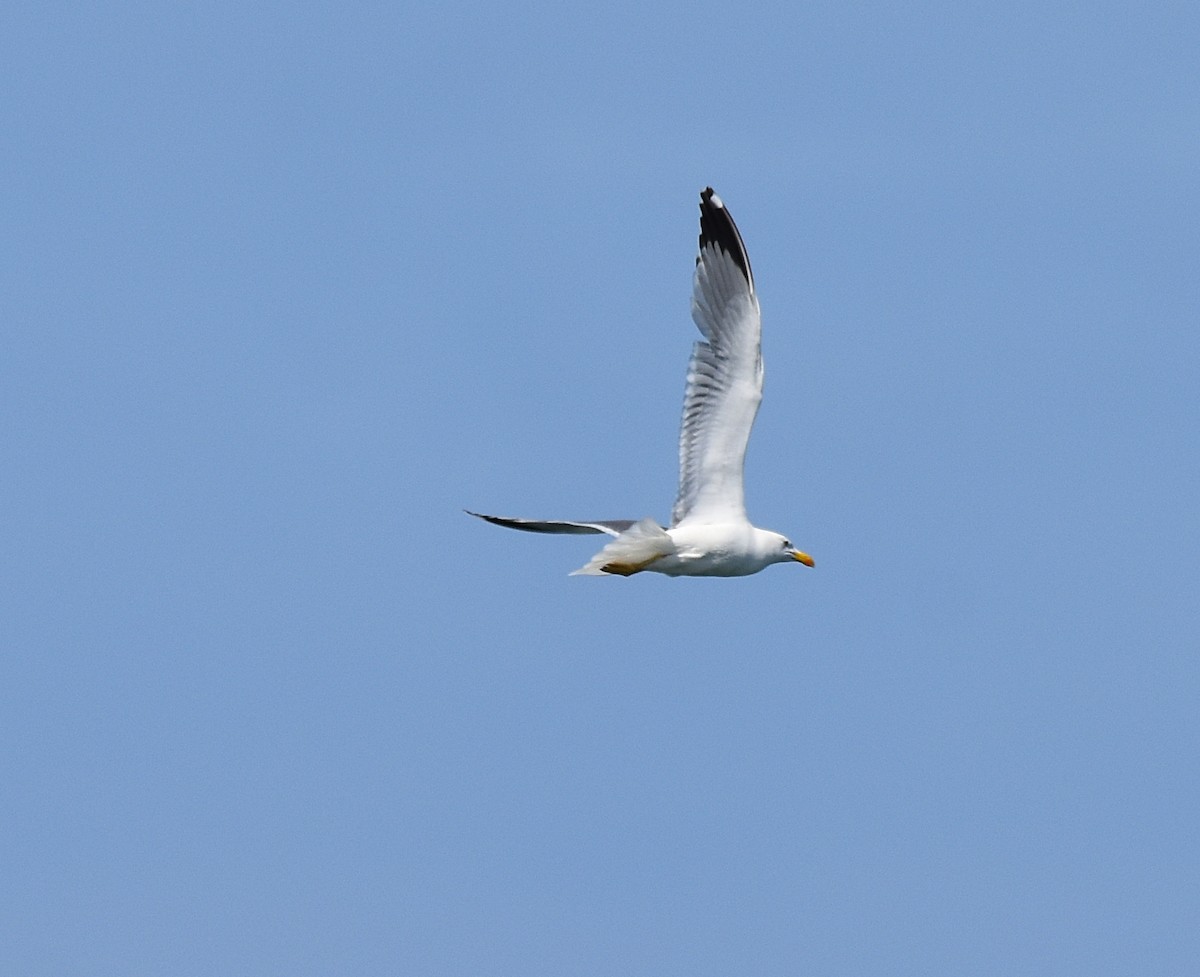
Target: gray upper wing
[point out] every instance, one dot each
(613, 527)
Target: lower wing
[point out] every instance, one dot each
(613, 527)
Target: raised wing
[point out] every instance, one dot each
(613, 527)
(725, 375)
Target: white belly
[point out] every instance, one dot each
(710, 551)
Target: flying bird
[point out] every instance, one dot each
(709, 535)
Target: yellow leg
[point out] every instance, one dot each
(629, 569)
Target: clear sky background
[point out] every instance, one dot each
(285, 286)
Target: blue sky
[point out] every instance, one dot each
(285, 286)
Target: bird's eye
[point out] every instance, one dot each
(787, 544)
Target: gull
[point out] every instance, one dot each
(709, 535)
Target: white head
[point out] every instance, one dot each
(778, 548)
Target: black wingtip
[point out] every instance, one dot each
(717, 228)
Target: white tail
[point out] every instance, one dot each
(635, 549)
